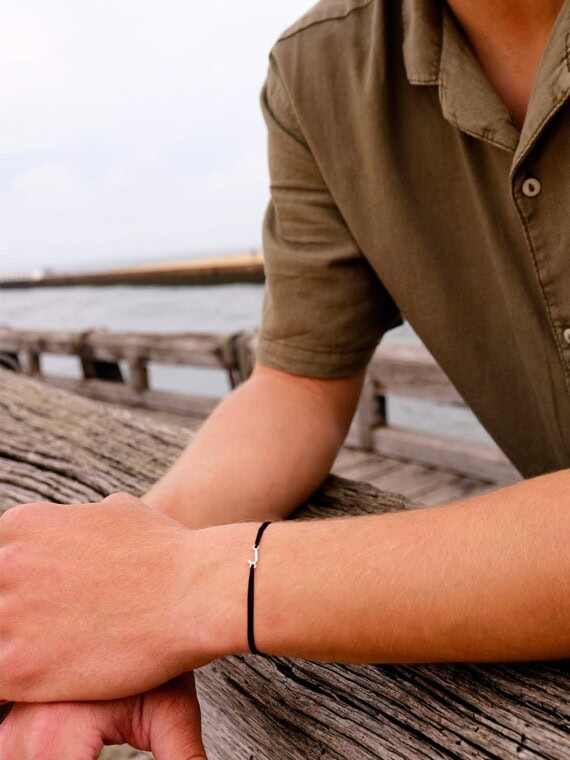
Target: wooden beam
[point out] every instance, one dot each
(193, 349)
(407, 370)
(476, 460)
(118, 393)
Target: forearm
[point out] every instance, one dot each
(482, 580)
(262, 452)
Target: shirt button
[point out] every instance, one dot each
(531, 187)
(567, 335)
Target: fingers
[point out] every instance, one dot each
(179, 741)
(49, 732)
(175, 730)
(165, 721)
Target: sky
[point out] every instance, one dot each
(130, 130)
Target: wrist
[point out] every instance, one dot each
(198, 504)
(216, 603)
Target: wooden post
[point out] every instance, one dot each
(33, 363)
(370, 414)
(138, 372)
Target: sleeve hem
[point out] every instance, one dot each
(312, 363)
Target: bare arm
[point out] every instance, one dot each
(479, 580)
(264, 450)
(483, 579)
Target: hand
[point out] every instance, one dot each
(97, 601)
(165, 721)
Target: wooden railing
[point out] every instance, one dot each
(396, 369)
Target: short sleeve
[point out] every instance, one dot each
(324, 307)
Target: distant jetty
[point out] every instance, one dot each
(212, 271)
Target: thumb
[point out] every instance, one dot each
(180, 742)
(177, 733)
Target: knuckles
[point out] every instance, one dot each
(13, 518)
(33, 723)
(22, 517)
(121, 499)
(18, 673)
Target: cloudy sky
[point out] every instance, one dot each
(131, 130)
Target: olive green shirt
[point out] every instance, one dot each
(400, 188)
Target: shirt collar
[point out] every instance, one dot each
(551, 88)
(436, 53)
(422, 40)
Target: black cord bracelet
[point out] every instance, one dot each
(5, 709)
(252, 565)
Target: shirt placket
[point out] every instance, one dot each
(541, 209)
(530, 192)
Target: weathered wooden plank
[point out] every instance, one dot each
(188, 422)
(425, 486)
(411, 482)
(408, 477)
(162, 401)
(465, 457)
(194, 349)
(348, 457)
(408, 370)
(64, 448)
(371, 468)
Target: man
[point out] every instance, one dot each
(418, 168)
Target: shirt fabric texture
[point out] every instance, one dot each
(401, 189)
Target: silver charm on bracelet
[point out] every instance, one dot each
(253, 562)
